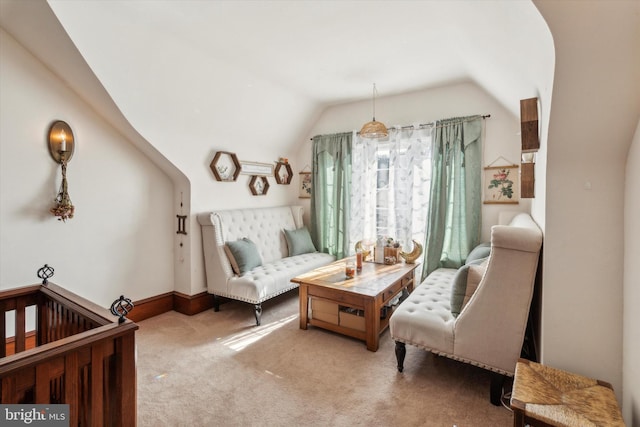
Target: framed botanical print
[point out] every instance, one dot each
(501, 184)
(305, 185)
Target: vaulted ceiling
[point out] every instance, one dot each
(187, 70)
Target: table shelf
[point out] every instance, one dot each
(374, 288)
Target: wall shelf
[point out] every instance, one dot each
(259, 185)
(225, 166)
(283, 173)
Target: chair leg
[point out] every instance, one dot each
(497, 384)
(258, 313)
(401, 351)
(216, 303)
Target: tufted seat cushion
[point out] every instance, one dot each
(425, 318)
(266, 281)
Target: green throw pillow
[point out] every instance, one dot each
(459, 286)
(479, 252)
(245, 253)
(299, 241)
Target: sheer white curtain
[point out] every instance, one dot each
(390, 186)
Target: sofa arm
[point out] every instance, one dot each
(217, 266)
(517, 238)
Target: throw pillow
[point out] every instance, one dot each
(232, 260)
(474, 276)
(459, 287)
(245, 255)
(299, 241)
(479, 252)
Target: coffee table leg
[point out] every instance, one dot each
(304, 306)
(372, 325)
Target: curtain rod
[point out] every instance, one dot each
(485, 116)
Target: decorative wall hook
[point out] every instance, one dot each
(181, 224)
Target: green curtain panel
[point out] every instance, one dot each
(453, 222)
(331, 193)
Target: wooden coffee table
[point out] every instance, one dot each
(354, 307)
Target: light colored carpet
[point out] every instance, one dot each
(219, 369)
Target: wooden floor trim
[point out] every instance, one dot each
(150, 307)
(185, 304)
(192, 304)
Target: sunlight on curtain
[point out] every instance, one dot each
(390, 186)
(454, 218)
(331, 183)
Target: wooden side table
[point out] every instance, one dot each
(545, 396)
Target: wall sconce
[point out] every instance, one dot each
(61, 147)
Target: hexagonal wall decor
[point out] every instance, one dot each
(259, 185)
(225, 166)
(283, 173)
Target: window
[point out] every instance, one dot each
(390, 186)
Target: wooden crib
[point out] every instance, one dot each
(79, 354)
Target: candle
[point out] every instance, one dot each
(349, 270)
(63, 142)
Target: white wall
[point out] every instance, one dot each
(594, 112)
(121, 238)
(501, 136)
(631, 294)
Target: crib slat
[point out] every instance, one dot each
(71, 390)
(84, 395)
(42, 383)
(68, 323)
(3, 329)
(9, 394)
(56, 321)
(97, 378)
(20, 325)
(126, 380)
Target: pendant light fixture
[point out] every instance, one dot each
(374, 129)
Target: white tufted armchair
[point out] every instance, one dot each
(490, 329)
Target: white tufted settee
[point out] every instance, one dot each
(489, 330)
(265, 227)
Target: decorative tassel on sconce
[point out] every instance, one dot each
(61, 146)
